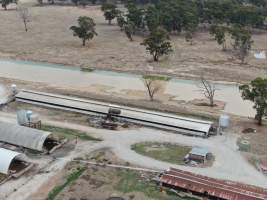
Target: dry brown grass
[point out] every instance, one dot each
(49, 39)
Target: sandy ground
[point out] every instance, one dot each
(229, 163)
(49, 39)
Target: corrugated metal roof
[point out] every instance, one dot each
(217, 188)
(264, 166)
(6, 158)
(22, 136)
(200, 151)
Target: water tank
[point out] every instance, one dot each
(244, 145)
(224, 121)
(34, 118)
(28, 114)
(14, 88)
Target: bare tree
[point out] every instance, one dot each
(24, 15)
(152, 86)
(208, 89)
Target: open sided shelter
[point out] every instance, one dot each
(6, 159)
(23, 136)
(183, 125)
(199, 154)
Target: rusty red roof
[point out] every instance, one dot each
(264, 166)
(214, 187)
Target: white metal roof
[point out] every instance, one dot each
(22, 136)
(185, 124)
(200, 151)
(6, 158)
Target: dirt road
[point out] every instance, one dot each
(50, 40)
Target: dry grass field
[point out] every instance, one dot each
(50, 40)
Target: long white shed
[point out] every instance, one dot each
(173, 122)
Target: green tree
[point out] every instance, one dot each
(256, 92)
(219, 11)
(219, 33)
(129, 30)
(152, 18)
(158, 43)
(5, 3)
(173, 15)
(242, 41)
(110, 11)
(76, 2)
(121, 21)
(248, 15)
(135, 15)
(85, 30)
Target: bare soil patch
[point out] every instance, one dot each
(50, 40)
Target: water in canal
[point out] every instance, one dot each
(73, 78)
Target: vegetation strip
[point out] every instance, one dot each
(71, 178)
(166, 152)
(131, 181)
(68, 133)
(157, 77)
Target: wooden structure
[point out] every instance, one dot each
(210, 187)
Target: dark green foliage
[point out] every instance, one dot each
(152, 18)
(158, 43)
(76, 2)
(219, 34)
(129, 30)
(5, 3)
(110, 11)
(256, 92)
(85, 30)
(242, 41)
(260, 3)
(225, 17)
(244, 13)
(121, 21)
(219, 11)
(135, 15)
(178, 15)
(173, 15)
(248, 15)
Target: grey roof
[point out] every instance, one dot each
(200, 151)
(22, 136)
(156, 119)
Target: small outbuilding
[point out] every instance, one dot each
(199, 154)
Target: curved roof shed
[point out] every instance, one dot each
(23, 136)
(6, 158)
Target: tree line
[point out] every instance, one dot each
(223, 18)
